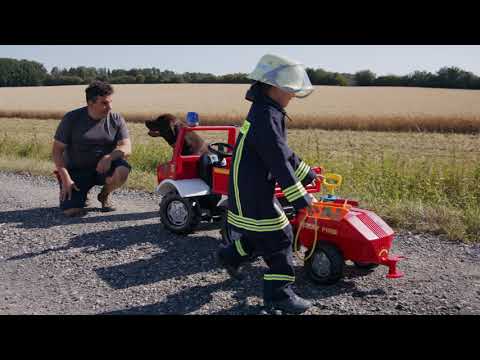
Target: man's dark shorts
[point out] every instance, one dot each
(85, 179)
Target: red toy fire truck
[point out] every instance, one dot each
(194, 188)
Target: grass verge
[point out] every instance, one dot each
(417, 181)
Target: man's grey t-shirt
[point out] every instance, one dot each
(89, 140)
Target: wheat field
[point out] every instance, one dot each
(329, 107)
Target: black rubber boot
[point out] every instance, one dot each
(291, 305)
(233, 271)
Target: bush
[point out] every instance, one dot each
(364, 78)
(63, 80)
(125, 79)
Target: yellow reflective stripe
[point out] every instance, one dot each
(253, 227)
(235, 168)
(260, 222)
(278, 277)
(245, 127)
(292, 189)
(294, 192)
(292, 198)
(239, 248)
(300, 168)
(302, 171)
(277, 225)
(236, 165)
(257, 228)
(304, 175)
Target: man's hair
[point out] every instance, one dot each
(98, 88)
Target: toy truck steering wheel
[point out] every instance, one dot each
(220, 149)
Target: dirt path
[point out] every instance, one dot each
(126, 263)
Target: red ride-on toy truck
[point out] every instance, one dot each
(194, 188)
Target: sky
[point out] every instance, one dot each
(226, 59)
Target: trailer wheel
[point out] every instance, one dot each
(179, 215)
(326, 265)
(365, 265)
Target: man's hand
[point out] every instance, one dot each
(66, 191)
(104, 164)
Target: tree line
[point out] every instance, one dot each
(15, 72)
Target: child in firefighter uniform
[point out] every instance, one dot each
(260, 159)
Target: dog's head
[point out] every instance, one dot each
(166, 125)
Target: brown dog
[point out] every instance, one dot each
(168, 127)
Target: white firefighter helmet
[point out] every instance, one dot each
(283, 73)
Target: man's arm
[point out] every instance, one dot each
(122, 151)
(67, 183)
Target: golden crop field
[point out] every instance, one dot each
(329, 107)
(412, 178)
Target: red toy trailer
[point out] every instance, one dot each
(194, 188)
(336, 231)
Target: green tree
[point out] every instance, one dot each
(364, 78)
(21, 72)
(63, 80)
(340, 80)
(125, 79)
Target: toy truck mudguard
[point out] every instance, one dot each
(185, 188)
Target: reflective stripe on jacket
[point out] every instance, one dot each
(260, 159)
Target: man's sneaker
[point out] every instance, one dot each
(106, 202)
(233, 271)
(292, 305)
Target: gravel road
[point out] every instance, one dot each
(126, 263)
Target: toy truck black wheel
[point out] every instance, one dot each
(365, 265)
(179, 215)
(326, 265)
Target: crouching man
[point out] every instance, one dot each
(90, 148)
